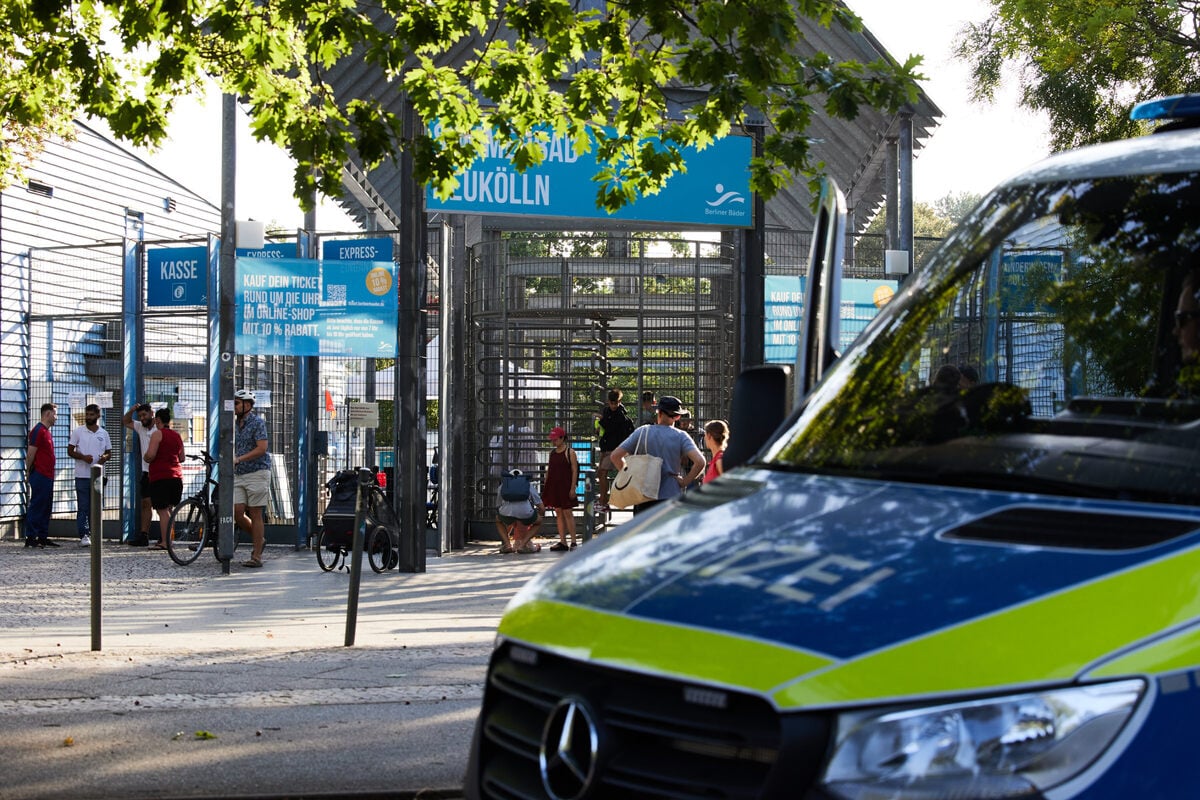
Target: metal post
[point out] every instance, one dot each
(307, 391)
(411, 475)
(225, 331)
(891, 169)
(752, 268)
(589, 504)
(904, 178)
(97, 528)
(365, 479)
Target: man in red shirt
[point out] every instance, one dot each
(39, 466)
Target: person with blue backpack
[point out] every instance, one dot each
(519, 514)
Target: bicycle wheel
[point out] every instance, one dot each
(328, 555)
(379, 548)
(191, 525)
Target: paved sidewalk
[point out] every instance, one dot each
(255, 660)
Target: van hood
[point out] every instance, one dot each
(815, 590)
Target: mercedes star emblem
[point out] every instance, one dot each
(567, 757)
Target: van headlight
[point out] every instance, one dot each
(997, 747)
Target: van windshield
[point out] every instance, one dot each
(1052, 345)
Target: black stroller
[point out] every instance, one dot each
(337, 525)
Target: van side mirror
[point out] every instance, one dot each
(762, 400)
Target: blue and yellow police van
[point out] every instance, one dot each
(964, 563)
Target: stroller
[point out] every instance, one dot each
(336, 539)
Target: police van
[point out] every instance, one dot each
(917, 585)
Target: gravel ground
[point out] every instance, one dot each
(43, 587)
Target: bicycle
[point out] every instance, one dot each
(195, 519)
(335, 541)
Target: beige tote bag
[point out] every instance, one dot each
(637, 482)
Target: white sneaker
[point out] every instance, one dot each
(86, 541)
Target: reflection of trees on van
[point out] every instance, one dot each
(1134, 239)
(1103, 303)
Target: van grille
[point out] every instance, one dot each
(658, 738)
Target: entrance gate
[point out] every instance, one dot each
(557, 320)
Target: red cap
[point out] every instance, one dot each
(558, 432)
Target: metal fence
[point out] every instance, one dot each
(74, 333)
(77, 352)
(558, 319)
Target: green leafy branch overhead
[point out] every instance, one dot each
(1086, 62)
(610, 76)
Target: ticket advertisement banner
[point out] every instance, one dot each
(304, 307)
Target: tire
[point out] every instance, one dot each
(191, 525)
(379, 549)
(328, 556)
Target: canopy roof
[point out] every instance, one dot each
(853, 150)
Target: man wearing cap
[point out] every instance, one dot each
(251, 473)
(672, 445)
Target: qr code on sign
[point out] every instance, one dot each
(335, 294)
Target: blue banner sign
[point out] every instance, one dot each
(1024, 278)
(783, 311)
(302, 307)
(177, 276)
(715, 190)
(783, 308)
(357, 250)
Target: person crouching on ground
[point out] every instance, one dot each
(518, 520)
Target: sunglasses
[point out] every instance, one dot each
(1182, 317)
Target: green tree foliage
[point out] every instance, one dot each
(956, 205)
(927, 221)
(1084, 61)
(520, 68)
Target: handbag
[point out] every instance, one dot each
(638, 480)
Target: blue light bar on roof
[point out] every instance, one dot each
(1179, 106)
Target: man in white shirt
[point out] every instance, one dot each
(143, 426)
(90, 446)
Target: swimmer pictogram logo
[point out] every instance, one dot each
(724, 197)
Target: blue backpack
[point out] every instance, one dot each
(514, 488)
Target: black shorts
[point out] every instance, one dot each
(166, 493)
(144, 485)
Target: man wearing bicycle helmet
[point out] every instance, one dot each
(251, 473)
